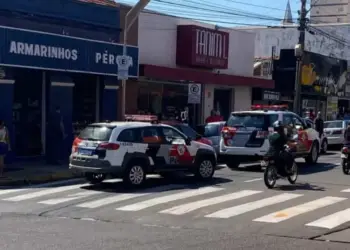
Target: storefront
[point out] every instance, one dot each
(171, 62)
(41, 71)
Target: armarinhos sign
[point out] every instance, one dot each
(31, 49)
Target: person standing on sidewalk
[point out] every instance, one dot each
(4, 145)
(56, 136)
(319, 124)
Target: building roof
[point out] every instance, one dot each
(109, 3)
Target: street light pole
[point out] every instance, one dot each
(299, 54)
(130, 18)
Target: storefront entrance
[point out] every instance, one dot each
(222, 102)
(85, 100)
(27, 112)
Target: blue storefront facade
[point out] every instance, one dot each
(41, 69)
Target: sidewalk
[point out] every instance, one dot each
(35, 173)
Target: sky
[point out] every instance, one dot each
(226, 12)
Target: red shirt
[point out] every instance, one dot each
(214, 118)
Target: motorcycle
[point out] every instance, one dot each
(273, 173)
(345, 160)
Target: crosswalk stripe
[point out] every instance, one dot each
(248, 207)
(44, 192)
(346, 190)
(169, 198)
(300, 209)
(71, 197)
(192, 206)
(127, 196)
(332, 221)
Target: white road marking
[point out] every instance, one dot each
(127, 196)
(192, 206)
(248, 207)
(346, 190)
(48, 191)
(169, 198)
(300, 209)
(253, 180)
(333, 220)
(34, 187)
(70, 197)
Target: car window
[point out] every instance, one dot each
(273, 118)
(187, 130)
(170, 134)
(96, 133)
(212, 129)
(333, 124)
(150, 135)
(128, 135)
(250, 120)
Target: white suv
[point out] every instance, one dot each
(245, 136)
(130, 150)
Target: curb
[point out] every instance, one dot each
(50, 177)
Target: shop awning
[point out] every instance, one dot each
(191, 75)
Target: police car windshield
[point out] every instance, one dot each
(96, 133)
(249, 120)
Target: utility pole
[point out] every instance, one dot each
(299, 54)
(130, 19)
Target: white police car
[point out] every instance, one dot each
(133, 149)
(245, 135)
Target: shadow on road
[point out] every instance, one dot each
(300, 186)
(305, 169)
(155, 185)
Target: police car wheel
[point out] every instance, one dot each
(95, 178)
(205, 169)
(135, 174)
(313, 155)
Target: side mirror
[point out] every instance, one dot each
(198, 137)
(308, 125)
(188, 141)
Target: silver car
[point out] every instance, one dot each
(212, 131)
(334, 131)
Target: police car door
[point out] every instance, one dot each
(175, 148)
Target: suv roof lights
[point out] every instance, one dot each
(141, 118)
(270, 107)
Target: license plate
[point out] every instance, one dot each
(83, 151)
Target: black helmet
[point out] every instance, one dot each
(277, 125)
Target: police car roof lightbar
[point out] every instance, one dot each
(269, 107)
(141, 118)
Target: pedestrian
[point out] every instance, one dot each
(319, 124)
(4, 145)
(56, 135)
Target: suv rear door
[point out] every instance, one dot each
(251, 128)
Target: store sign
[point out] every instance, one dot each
(202, 47)
(271, 96)
(194, 93)
(30, 49)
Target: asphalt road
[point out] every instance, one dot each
(234, 211)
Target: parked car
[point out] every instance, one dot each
(334, 131)
(212, 132)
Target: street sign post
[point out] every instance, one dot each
(124, 62)
(194, 93)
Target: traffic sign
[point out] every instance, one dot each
(124, 62)
(194, 93)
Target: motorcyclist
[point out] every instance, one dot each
(278, 139)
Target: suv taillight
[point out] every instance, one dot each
(262, 134)
(345, 150)
(108, 146)
(75, 144)
(227, 134)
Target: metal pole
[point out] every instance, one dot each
(134, 12)
(298, 78)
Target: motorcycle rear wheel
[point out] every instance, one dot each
(345, 166)
(293, 178)
(270, 177)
